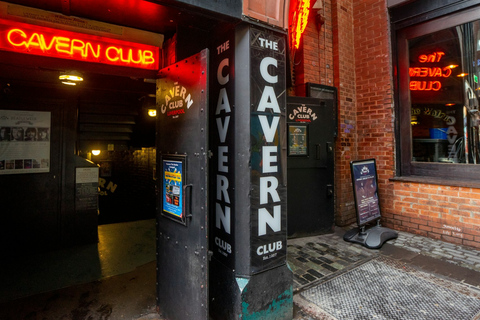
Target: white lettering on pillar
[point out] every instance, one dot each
(269, 184)
(222, 218)
(274, 222)
(222, 113)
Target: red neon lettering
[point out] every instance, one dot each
(107, 52)
(96, 54)
(78, 45)
(62, 45)
(430, 72)
(301, 21)
(425, 85)
(11, 34)
(148, 57)
(447, 72)
(44, 43)
(39, 40)
(34, 41)
(433, 57)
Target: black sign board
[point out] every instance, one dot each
(268, 101)
(222, 161)
(365, 190)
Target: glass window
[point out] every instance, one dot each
(439, 70)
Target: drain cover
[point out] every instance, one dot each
(385, 289)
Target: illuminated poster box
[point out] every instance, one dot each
(49, 42)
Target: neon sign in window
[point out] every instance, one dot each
(429, 72)
(48, 42)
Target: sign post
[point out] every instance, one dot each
(365, 191)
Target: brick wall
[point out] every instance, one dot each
(353, 49)
(375, 128)
(344, 79)
(447, 213)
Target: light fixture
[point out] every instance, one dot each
(70, 77)
(152, 112)
(463, 74)
(414, 120)
(95, 152)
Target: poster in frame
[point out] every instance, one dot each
(365, 189)
(173, 187)
(298, 140)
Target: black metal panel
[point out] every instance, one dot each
(422, 10)
(182, 261)
(311, 176)
(267, 101)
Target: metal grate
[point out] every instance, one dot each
(385, 289)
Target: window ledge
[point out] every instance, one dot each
(438, 181)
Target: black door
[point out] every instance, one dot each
(310, 162)
(182, 245)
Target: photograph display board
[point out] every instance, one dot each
(173, 181)
(24, 141)
(365, 189)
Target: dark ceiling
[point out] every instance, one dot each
(139, 14)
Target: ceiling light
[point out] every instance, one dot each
(152, 112)
(70, 77)
(95, 152)
(69, 83)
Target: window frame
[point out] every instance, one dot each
(444, 173)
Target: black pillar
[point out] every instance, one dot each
(249, 277)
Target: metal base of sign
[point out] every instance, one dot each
(372, 238)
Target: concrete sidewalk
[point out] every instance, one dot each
(411, 277)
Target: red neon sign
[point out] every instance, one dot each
(429, 72)
(48, 42)
(300, 20)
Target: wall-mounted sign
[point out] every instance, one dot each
(55, 43)
(365, 189)
(24, 141)
(172, 188)
(268, 99)
(302, 114)
(86, 188)
(299, 21)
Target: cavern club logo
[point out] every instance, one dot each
(177, 101)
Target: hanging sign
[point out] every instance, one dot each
(55, 43)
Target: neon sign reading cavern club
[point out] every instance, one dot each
(48, 42)
(430, 75)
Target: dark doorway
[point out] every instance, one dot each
(310, 149)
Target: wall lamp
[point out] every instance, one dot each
(95, 152)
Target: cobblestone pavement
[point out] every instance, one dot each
(320, 257)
